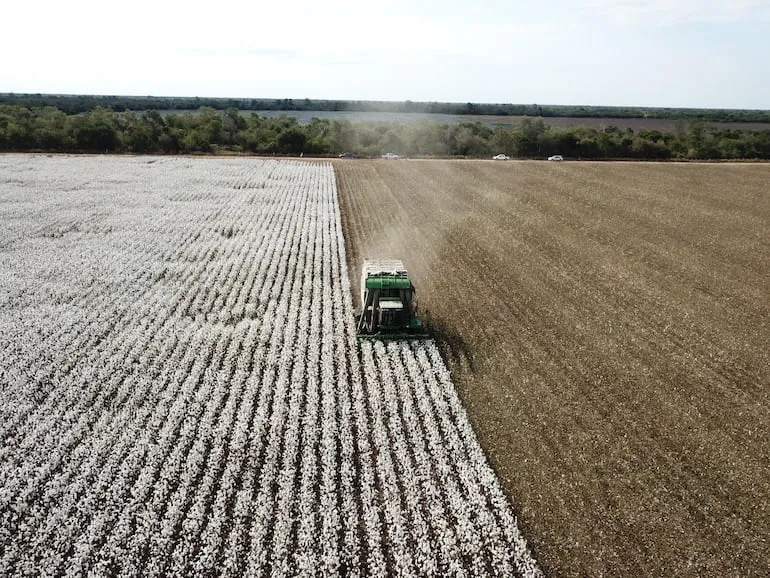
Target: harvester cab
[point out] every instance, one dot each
(388, 304)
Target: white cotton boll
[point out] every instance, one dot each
(197, 403)
(250, 311)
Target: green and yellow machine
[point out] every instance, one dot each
(388, 302)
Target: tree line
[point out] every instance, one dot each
(210, 131)
(73, 104)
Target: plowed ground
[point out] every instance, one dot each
(607, 326)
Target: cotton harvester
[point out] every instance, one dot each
(388, 303)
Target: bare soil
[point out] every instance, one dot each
(607, 326)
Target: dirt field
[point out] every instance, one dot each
(607, 326)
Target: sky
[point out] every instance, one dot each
(666, 53)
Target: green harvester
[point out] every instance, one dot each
(388, 303)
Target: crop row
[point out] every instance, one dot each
(182, 392)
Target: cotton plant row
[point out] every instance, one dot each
(183, 393)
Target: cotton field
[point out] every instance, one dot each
(182, 392)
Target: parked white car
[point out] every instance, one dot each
(556, 158)
(501, 157)
(390, 156)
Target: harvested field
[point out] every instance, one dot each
(182, 394)
(607, 326)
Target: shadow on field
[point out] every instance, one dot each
(454, 349)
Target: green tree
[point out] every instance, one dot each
(342, 137)
(210, 126)
(95, 131)
(504, 140)
(232, 124)
(292, 141)
(51, 130)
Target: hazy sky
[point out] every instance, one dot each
(681, 53)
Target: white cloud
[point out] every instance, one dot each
(672, 12)
(577, 51)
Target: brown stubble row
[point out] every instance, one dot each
(607, 326)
